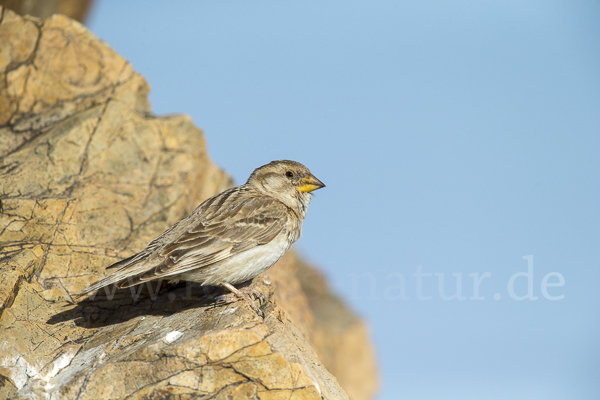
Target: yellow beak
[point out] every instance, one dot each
(309, 184)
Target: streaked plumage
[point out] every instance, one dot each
(231, 237)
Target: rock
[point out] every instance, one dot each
(89, 176)
(76, 9)
(338, 336)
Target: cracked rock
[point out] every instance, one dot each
(88, 176)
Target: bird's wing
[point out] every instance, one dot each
(242, 226)
(214, 236)
(250, 223)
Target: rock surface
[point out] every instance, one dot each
(89, 176)
(76, 9)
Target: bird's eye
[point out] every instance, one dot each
(289, 174)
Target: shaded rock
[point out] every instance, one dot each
(76, 9)
(89, 176)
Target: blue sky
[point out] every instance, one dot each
(455, 138)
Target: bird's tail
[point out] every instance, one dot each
(126, 275)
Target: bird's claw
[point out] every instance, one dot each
(254, 293)
(244, 294)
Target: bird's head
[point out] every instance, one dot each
(288, 181)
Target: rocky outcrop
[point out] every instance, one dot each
(89, 176)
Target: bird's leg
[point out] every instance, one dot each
(249, 290)
(241, 294)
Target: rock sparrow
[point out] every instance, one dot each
(230, 238)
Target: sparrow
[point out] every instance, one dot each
(228, 239)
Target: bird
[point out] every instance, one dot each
(228, 239)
